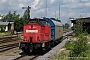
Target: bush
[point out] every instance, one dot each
(68, 45)
(80, 47)
(2, 28)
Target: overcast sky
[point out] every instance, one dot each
(68, 8)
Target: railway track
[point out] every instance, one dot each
(8, 47)
(8, 43)
(46, 53)
(8, 39)
(30, 56)
(27, 57)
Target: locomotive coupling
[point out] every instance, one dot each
(31, 39)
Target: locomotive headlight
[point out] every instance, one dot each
(25, 38)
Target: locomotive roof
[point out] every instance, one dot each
(57, 23)
(53, 22)
(37, 19)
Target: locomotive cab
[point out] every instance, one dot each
(36, 31)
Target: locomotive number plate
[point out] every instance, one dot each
(31, 31)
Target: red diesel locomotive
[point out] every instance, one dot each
(36, 35)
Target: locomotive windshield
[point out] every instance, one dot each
(42, 22)
(33, 20)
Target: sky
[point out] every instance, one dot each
(48, 8)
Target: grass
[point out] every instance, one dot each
(15, 52)
(88, 54)
(65, 56)
(69, 46)
(62, 56)
(3, 34)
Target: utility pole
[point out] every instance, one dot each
(28, 9)
(46, 8)
(59, 11)
(55, 14)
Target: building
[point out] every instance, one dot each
(86, 23)
(1, 17)
(8, 25)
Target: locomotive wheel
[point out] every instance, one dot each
(48, 45)
(26, 50)
(52, 44)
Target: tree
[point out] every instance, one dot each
(78, 26)
(13, 17)
(8, 17)
(25, 17)
(18, 24)
(66, 26)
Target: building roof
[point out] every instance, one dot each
(85, 20)
(5, 23)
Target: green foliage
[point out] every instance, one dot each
(25, 16)
(78, 26)
(85, 33)
(18, 25)
(66, 26)
(8, 17)
(68, 45)
(62, 56)
(2, 28)
(18, 22)
(80, 47)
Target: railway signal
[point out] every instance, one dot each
(28, 9)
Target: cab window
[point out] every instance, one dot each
(42, 22)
